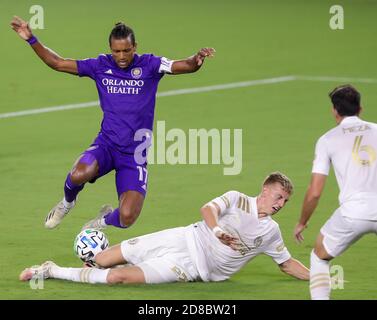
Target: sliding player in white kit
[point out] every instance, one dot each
(351, 147)
(236, 228)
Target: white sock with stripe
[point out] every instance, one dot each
(67, 204)
(89, 275)
(320, 281)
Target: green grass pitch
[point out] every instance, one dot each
(280, 122)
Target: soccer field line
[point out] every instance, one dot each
(225, 86)
(335, 79)
(161, 94)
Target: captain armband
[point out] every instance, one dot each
(166, 65)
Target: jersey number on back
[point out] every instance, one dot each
(358, 153)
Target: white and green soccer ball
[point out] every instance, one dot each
(88, 243)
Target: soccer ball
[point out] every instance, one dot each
(88, 243)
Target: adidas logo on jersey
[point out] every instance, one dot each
(109, 71)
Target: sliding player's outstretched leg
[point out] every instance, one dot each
(43, 271)
(84, 170)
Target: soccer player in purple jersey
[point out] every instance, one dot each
(127, 85)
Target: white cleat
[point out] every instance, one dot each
(98, 223)
(57, 214)
(43, 271)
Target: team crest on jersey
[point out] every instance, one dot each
(257, 242)
(136, 73)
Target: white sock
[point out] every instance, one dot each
(67, 204)
(103, 223)
(320, 281)
(89, 275)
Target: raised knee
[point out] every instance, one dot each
(81, 175)
(77, 177)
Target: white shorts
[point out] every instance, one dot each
(339, 232)
(163, 256)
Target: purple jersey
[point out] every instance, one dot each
(127, 96)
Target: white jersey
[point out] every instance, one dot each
(238, 216)
(351, 147)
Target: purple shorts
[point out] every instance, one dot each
(129, 175)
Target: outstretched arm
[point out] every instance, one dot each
(193, 63)
(49, 57)
(310, 203)
(295, 269)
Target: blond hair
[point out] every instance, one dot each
(278, 177)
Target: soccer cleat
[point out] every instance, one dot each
(56, 214)
(97, 223)
(43, 271)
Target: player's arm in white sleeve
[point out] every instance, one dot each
(280, 254)
(321, 168)
(193, 63)
(211, 212)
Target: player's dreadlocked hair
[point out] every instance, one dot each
(121, 31)
(346, 100)
(278, 177)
